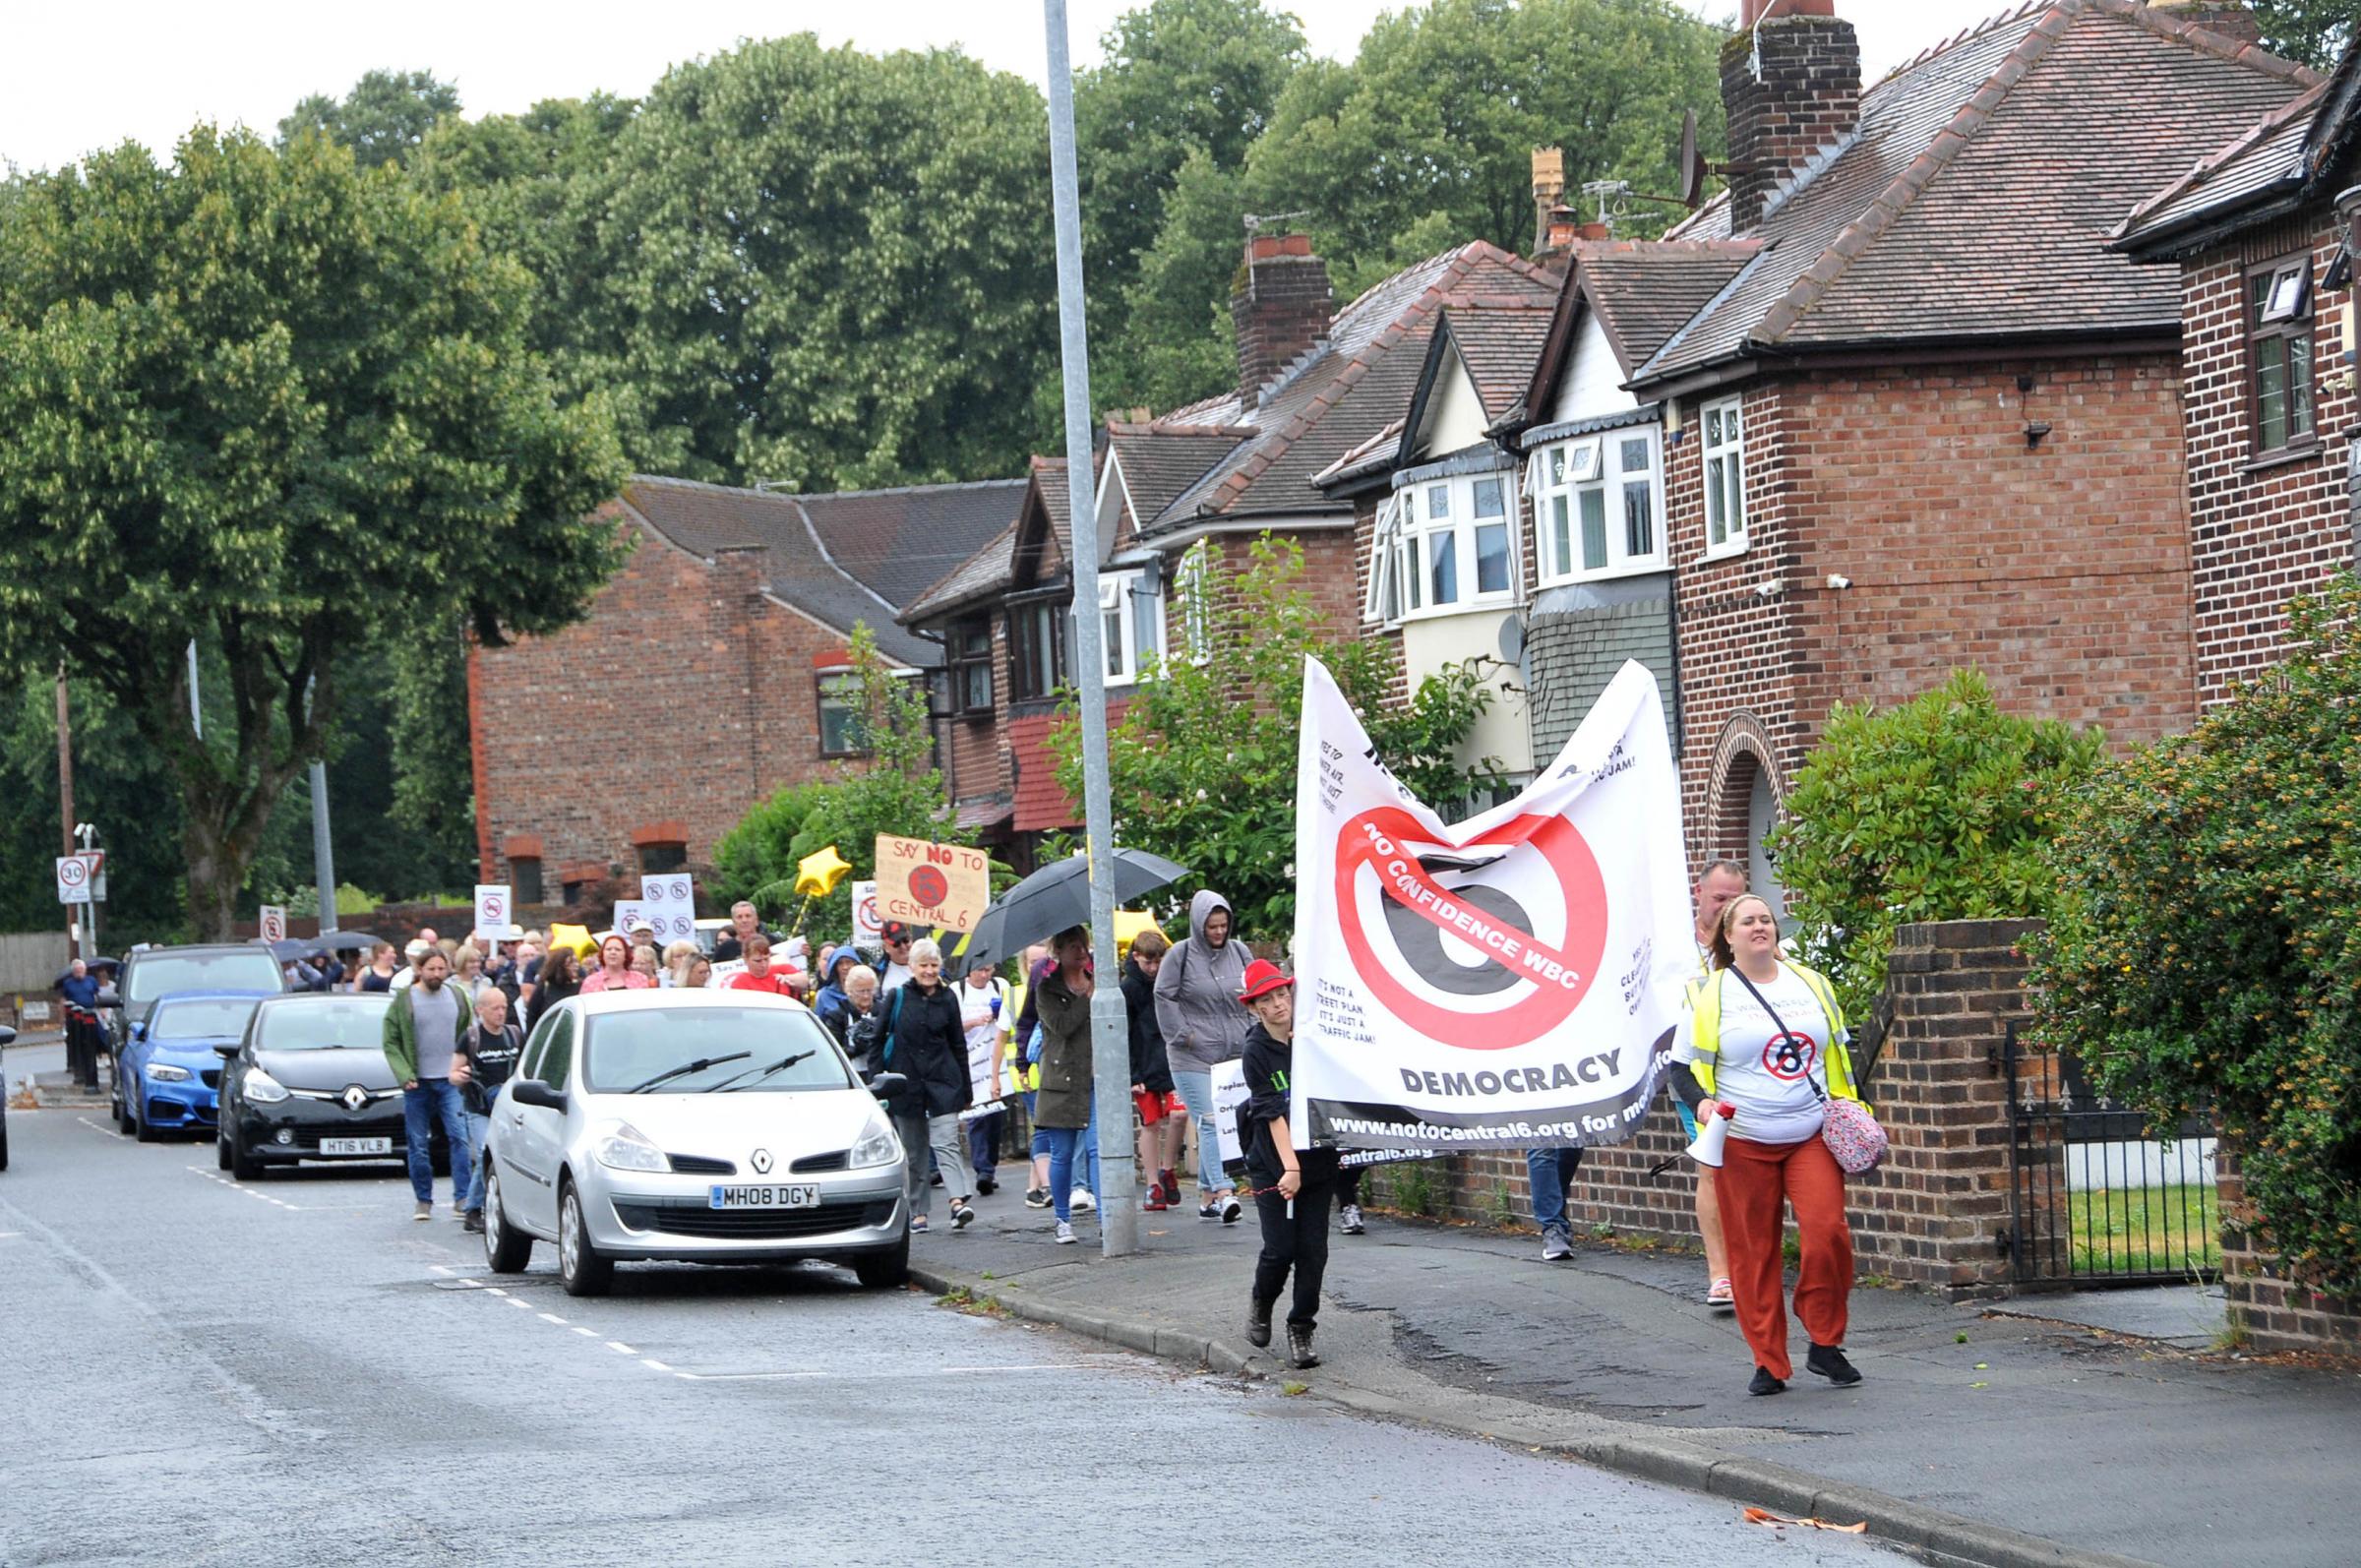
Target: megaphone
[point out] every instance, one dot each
(1712, 1133)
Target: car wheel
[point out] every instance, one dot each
(243, 1166)
(885, 1270)
(140, 1128)
(506, 1248)
(3, 1142)
(122, 1104)
(221, 1145)
(579, 1267)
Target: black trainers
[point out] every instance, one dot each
(1037, 1197)
(1259, 1323)
(1829, 1362)
(1765, 1383)
(1299, 1346)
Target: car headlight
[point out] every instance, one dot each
(877, 1145)
(166, 1072)
(623, 1147)
(260, 1087)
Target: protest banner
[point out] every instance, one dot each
(629, 912)
(669, 902)
(931, 884)
(1508, 981)
(981, 1013)
(1229, 1093)
(275, 923)
(869, 927)
(494, 909)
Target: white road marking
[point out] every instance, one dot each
(5, 1235)
(653, 1365)
(896, 1372)
(551, 1317)
(521, 1305)
(445, 1270)
(621, 1348)
(496, 1290)
(588, 1334)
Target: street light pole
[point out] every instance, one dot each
(324, 860)
(1109, 1046)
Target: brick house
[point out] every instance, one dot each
(1933, 421)
(2262, 233)
(706, 675)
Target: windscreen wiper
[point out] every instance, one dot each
(758, 1074)
(685, 1069)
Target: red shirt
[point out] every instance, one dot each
(779, 982)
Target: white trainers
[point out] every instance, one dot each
(1350, 1214)
(1083, 1201)
(1065, 1233)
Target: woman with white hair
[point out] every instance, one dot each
(925, 1039)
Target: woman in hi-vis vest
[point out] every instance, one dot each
(1763, 1035)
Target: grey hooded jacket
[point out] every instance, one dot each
(1196, 993)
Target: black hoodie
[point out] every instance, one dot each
(1150, 1068)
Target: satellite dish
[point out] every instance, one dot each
(1512, 639)
(1690, 162)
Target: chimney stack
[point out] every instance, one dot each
(1791, 88)
(1548, 188)
(1280, 303)
(2234, 19)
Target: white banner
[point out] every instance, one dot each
(1507, 982)
(980, 1011)
(867, 927)
(494, 909)
(669, 902)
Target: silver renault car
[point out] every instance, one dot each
(702, 1127)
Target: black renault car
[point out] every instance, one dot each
(309, 1082)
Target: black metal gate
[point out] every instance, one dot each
(2096, 1199)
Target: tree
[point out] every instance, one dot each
(2315, 32)
(1441, 111)
(267, 401)
(1178, 344)
(383, 119)
(894, 789)
(816, 267)
(2204, 952)
(1205, 759)
(1940, 809)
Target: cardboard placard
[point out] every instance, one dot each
(928, 884)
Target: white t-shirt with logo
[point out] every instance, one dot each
(1767, 1076)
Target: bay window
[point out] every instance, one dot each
(1036, 649)
(1442, 544)
(1597, 504)
(1132, 624)
(967, 649)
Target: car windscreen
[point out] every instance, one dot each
(223, 1016)
(623, 1050)
(356, 1023)
(152, 976)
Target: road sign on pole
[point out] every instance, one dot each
(82, 878)
(275, 923)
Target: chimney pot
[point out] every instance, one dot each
(1549, 183)
(1280, 304)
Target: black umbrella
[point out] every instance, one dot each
(1057, 896)
(91, 965)
(327, 942)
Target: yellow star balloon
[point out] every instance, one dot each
(817, 875)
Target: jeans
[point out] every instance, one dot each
(1549, 1171)
(436, 1099)
(1196, 1092)
(1041, 1134)
(479, 1133)
(984, 1142)
(1297, 1241)
(1067, 1146)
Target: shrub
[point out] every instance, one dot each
(2206, 947)
(1936, 810)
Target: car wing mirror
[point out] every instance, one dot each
(533, 1092)
(227, 1050)
(8, 1036)
(885, 1085)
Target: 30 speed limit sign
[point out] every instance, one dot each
(82, 878)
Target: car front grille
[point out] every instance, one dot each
(212, 1077)
(164, 1112)
(701, 1165)
(813, 1164)
(754, 1224)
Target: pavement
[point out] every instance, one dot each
(198, 1370)
(2084, 1430)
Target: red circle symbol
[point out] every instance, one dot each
(1789, 1056)
(929, 886)
(1559, 977)
(70, 871)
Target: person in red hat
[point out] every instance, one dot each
(1292, 1186)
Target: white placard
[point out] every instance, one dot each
(1229, 1093)
(1509, 982)
(494, 908)
(629, 912)
(275, 923)
(987, 1033)
(868, 927)
(669, 903)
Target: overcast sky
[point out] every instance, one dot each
(152, 68)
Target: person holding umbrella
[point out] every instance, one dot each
(1292, 1186)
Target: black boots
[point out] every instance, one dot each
(1258, 1324)
(1299, 1346)
(1765, 1383)
(1829, 1362)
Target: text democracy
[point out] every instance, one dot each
(1597, 1069)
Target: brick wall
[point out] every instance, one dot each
(2061, 569)
(1790, 86)
(685, 694)
(2260, 532)
(1280, 303)
(1935, 1215)
(2274, 1313)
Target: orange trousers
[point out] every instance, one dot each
(1756, 1181)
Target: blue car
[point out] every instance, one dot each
(171, 1074)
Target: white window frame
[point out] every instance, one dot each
(1192, 582)
(1722, 464)
(1565, 472)
(1419, 517)
(1125, 599)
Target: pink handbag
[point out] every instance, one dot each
(1852, 1134)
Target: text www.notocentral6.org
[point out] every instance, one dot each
(1422, 1132)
